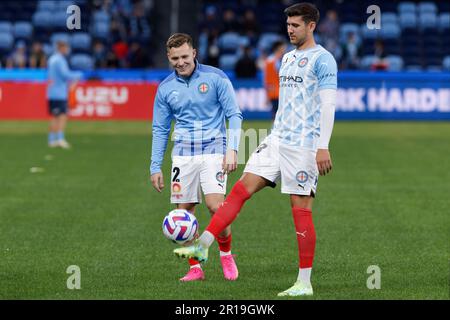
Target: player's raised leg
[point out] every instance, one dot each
(195, 269)
(230, 270)
(224, 216)
(306, 240)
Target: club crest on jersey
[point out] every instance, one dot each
(203, 88)
(303, 62)
(176, 187)
(301, 176)
(220, 177)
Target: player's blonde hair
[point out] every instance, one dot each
(178, 39)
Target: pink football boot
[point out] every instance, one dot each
(194, 274)
(230, 270)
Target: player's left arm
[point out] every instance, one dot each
(233, 114)
(66, 73)
(326, 69)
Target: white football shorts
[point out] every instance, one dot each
(296, 166)
(193, 174)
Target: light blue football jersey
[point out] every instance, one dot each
(302, 74)
(199, 105)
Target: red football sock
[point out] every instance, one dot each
(229, 209)
(306, 236)
(224, 243)
(193, 262)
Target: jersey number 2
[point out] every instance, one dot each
(176, 172)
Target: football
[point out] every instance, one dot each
(180, 226)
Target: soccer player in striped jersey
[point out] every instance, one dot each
(200, 99)
(297, 148)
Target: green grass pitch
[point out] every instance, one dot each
(386, 203)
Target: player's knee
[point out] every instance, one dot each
(302, 201)
(213, 207)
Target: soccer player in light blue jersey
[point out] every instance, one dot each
(60, 77)
(297, 148)
(200, 99)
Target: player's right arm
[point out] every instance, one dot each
(162, 117)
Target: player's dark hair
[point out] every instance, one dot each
(307, 11)
(276, 45)
(178, 39)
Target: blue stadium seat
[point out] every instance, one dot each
(81, 61)
(367, 61)
(428, 20)
(388, 17)
(59, 36)
(367, 33)
(427, 7)
(266, 41)
(47, 5)
(64, 4)
(59, 21)
(42, 19)
(229, 42)
(446, 63)
(6, 27)
(408, 20)
(444, 21)
(395, 62)
(23, 30)
(390, 31)
(227, 61)
(6, 42)
(406, 7)
(101, 16)
(81, 42)
(100, 30)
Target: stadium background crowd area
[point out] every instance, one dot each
(233, 35)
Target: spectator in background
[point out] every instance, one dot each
(122, 8)
(246, 66)
(351, 53)
(211, 23)
(380, 62)
(138, 23)
(250, 26)
(117, 30)
(18, 58)
(120, 50)
(99, 55)
(112, 62)
(329, 30)
(137, 56)
(213, 50)
(230, 23)
(271, 81)
(38, 58)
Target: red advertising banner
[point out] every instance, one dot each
(90, 100)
